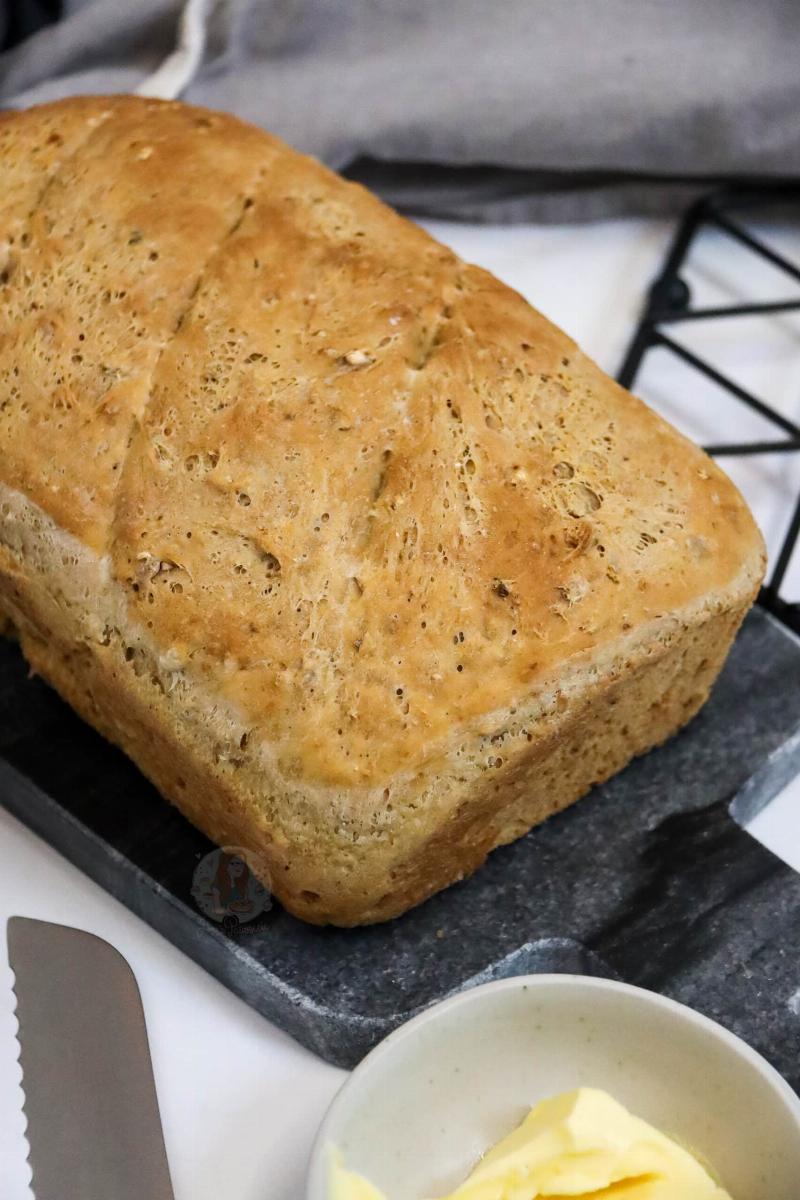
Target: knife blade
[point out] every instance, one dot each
(94, 1129)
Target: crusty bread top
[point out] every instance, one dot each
(363, 489)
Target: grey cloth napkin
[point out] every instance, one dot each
(482, 109)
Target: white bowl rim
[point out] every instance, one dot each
(733, 1043)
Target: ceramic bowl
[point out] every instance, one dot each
(417, 1113)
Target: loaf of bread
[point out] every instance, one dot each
(359, 558)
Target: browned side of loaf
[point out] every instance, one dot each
(591, 739)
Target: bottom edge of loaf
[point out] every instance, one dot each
(620, 720)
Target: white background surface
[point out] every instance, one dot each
(241, 1102)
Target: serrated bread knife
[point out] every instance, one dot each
(94, 1129)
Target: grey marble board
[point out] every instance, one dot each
(650, 879)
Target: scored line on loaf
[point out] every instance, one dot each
(139, 418)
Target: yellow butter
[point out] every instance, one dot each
(582, 1143)
(347, 1185)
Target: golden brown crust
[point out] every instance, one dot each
(353, 496)
(98, 277)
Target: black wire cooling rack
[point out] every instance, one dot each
(669, 302)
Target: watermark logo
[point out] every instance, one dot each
(229, 887)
